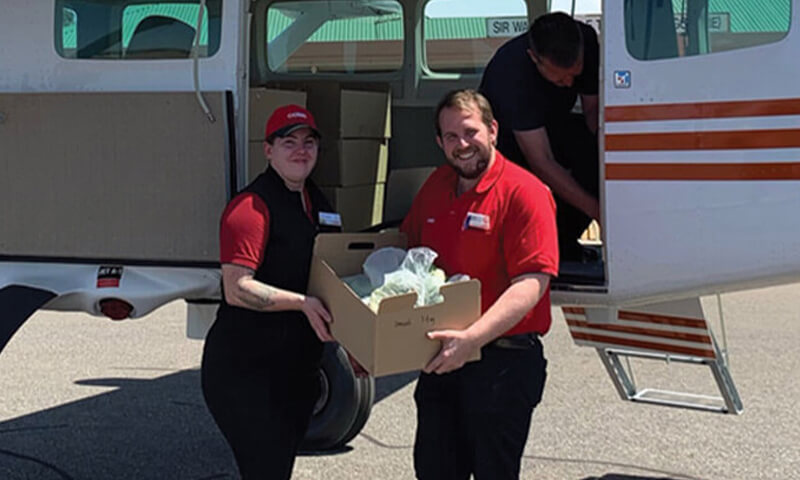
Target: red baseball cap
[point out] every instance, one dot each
(288, 118)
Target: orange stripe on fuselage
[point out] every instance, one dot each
(703, 171)
(680, 111)
(719, 140)
(662, 319)
(574, 310)
(659, 347)
(650, 332)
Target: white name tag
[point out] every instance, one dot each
(330, 219)
(478, 221)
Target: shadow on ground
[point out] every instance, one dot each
(157, 429)
(616, 476)
(144, 429)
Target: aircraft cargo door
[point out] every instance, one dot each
(121, 177)
(701, 145)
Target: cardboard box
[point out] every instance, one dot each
(347, 113)
(349, 162)
(262, 102)
(394, 339)
(360, 206)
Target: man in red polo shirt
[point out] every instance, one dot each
(494, 221)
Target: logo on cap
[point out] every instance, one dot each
(288, 118)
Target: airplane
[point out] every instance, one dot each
(125, 128)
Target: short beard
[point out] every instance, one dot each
(480, 167)
(471, 174)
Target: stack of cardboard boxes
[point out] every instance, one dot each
(353, 160)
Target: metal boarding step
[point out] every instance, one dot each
(727, 402)
(618, 335)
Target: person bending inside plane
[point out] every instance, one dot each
(532, 83)
(493, 221)
(262, 355)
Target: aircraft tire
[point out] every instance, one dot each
(344, 405)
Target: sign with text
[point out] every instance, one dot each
(506, 26)
(717, 22)
(513, 26)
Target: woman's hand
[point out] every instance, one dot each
(319, 318)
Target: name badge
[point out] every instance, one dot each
(478, 221)
(330, 219)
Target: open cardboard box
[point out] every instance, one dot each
(392, 340)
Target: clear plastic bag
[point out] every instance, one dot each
(382, 261)
(416, 274)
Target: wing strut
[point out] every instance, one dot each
(17, 304)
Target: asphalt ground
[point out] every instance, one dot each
(88, 398)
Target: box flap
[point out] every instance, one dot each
(401, 341)
(397, 304)
(345, 252)
(468, 291)
(353, 322)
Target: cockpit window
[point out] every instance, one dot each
(658, 29)
(127, 30)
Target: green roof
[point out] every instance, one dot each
(748, 16)
(745, 16)
(384, 27)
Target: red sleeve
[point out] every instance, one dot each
(244, 231)
(530, 238)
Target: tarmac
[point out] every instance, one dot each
(88, 398)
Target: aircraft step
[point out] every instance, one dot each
(672, 332)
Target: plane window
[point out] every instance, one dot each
(461, 37)
(126, 29)
(335, 36)
(658, 29)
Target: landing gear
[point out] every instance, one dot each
(344, 403)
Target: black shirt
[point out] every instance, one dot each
(522, 99)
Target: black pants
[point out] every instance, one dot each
(475, 420)
(574, 148)
(260, 384)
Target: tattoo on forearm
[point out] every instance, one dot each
(260, 298)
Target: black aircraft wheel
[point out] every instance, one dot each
(343, 406)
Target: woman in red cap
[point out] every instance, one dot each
(261, 356)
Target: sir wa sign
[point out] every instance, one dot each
(718, 22)
(513, 26)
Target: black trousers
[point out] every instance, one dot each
(574, 148)
(260, 384)
(475, 420)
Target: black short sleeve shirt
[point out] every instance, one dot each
(522, 99)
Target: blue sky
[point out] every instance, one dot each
(500, 8)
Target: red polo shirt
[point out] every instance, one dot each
(244, 230)
(502, 228)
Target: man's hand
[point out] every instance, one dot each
(319, 318)
(457, 347)
(537, 150)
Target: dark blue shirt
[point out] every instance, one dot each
(522, 99)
